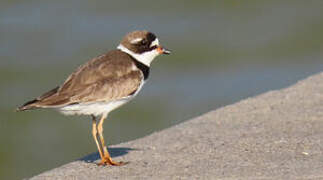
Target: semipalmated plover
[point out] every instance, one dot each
(104, 84)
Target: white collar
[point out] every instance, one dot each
(145, 58)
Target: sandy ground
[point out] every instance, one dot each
(276, 135)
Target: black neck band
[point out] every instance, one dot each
(143, 67)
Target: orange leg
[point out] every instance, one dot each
(95, 136)
(107, 158)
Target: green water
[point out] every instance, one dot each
(223, 51)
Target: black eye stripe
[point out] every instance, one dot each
(143, 46)
(151, 37)
(153, 47)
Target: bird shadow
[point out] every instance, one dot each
(114, 152)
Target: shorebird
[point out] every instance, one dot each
(103, 84)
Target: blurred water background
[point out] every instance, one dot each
(223, 51)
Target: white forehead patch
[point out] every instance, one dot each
(154, 43)
(135, 41)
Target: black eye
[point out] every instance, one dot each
(144, 42)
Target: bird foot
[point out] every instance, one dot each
(109, 161)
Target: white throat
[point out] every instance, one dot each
(145, 58)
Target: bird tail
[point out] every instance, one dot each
(28, 105)
(37, 103)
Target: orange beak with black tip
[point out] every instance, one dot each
(162, 50)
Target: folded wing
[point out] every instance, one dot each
(105, 78)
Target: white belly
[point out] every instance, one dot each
(96, 108)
